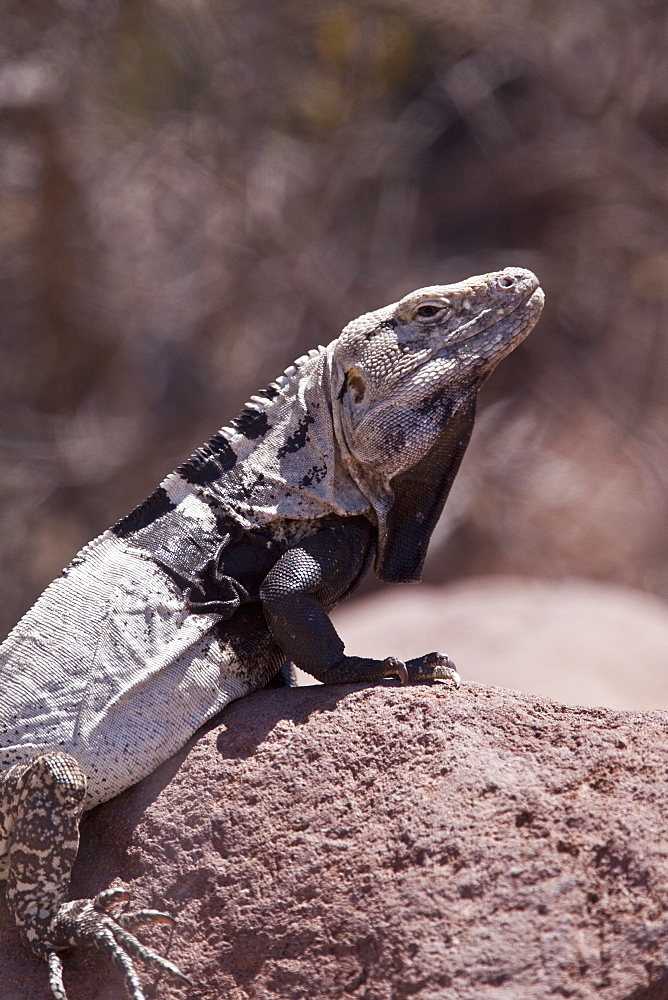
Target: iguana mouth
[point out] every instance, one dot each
(530, 305)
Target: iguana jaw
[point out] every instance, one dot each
(524, 316)
(492, 309)
(480, 331)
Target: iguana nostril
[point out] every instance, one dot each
(506, 281)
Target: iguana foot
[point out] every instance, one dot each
(89, 921)
(430, 667)
(43, 801)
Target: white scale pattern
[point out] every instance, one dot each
(121, 681)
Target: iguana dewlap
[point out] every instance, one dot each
(228, 570)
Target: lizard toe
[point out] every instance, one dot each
(393, 667)
(88, 922)
(433, 667)
(130, 918)
(111, 897)
(129, 945)
(135, 918)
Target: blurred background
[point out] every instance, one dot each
(195, 192)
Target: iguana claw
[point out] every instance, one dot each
(430, 667)
(88, 921)
(109, 897)
(444, 674)
(394, 667)
(433, 667)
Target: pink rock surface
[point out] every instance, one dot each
(387, 843)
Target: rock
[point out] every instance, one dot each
(581, 642)
(388, 843)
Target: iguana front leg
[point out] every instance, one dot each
(42, 803)
(295, 594)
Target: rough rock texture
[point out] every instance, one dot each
(388, 843)
(581, 642)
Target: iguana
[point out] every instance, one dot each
(228, 571)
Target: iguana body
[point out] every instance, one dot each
(229, 569)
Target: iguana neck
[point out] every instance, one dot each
(279, 458)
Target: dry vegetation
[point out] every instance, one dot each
(193, 192)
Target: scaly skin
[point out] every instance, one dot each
(226, 571)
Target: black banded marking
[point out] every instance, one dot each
(298, 438)
(251, 423)
(209, 462)
(146, 513)
(271, 392)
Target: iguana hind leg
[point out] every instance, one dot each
(43, 803)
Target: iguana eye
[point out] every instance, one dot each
(428, 310)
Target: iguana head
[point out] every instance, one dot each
(374, 424)
(404, 382)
